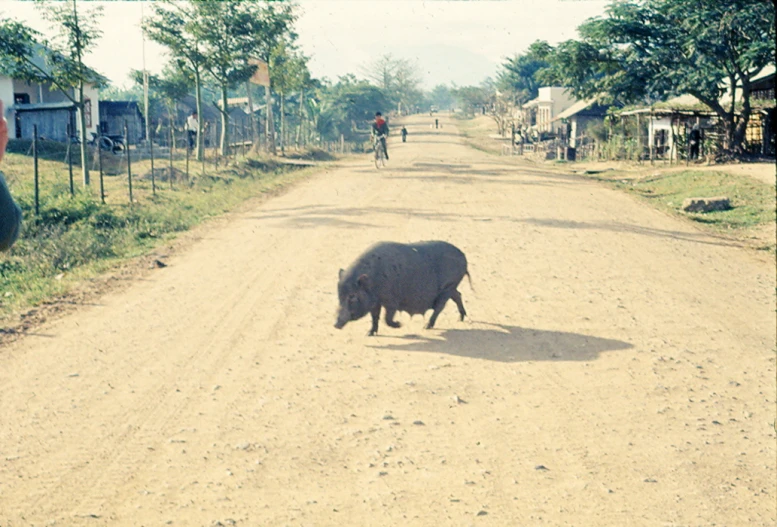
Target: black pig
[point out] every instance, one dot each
(413, 277)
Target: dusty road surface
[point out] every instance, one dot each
(618, 368)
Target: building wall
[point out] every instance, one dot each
(6, 95)
(551, 101)
(42, 94)
(52, 124)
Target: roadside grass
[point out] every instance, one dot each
(752, 201)
(75, 238)
(751, 218)
(476, 132)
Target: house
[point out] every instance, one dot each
(669, 123)
(29, 104)
(113, 115)
(578, 117)
(539, 113)
(762, 128)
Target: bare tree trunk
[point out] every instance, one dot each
(224, 122)
(81, 109)
(254, 124)
(200, 125)
(283, 123)
(301, 106)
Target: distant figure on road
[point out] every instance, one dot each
(192, 126)
(436, 123)
(380, 129)
(404, 134)
(10, 213)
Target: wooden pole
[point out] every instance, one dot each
(129, 160)
(35, 167)
(70, 159)
(151, 153)
(172, 138)
(100, 167)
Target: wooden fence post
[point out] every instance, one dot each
(129, 160)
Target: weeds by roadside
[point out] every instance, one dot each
(77, 237)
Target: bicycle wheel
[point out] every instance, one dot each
(378, 156)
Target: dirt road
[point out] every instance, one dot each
(618, 368)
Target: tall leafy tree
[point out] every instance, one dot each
(173, 25)
(272, 22)
(649, 49)
(519, 75)
(288, 73)
(173, 85)
(346, 105)
(223, 30)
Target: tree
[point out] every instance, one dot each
(650, 49)
(270, 24)
(472, 99)
(173, 26)
(399, 79)
(519, 75)
(347, 104)
(173, 85)
(288, 72)
(59, 62)
(441, 96)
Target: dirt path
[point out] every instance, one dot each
(618, 369)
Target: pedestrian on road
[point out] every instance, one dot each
(436, 123)
(404, 134)
(10, 213)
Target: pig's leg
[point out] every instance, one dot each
(438, 305)
(390, 312)
(456, 296)
(375, 318)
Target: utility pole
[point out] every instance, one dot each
(145, 76)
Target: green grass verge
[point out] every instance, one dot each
(78, 237)
(753, 202)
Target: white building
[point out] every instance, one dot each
(550, 102)
(47, 107)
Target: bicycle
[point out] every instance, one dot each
(380, 152)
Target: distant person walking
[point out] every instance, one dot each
(10, 213)
(436, 123)
(404, 134)
(694, 140)
(192, 126)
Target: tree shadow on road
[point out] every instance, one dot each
(323, 215)
(509, 344)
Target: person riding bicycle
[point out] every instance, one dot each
(380, 129)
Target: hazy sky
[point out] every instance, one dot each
(450, 41)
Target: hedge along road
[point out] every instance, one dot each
(618, 368)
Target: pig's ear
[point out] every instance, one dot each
(364, 281)
(340, 276)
